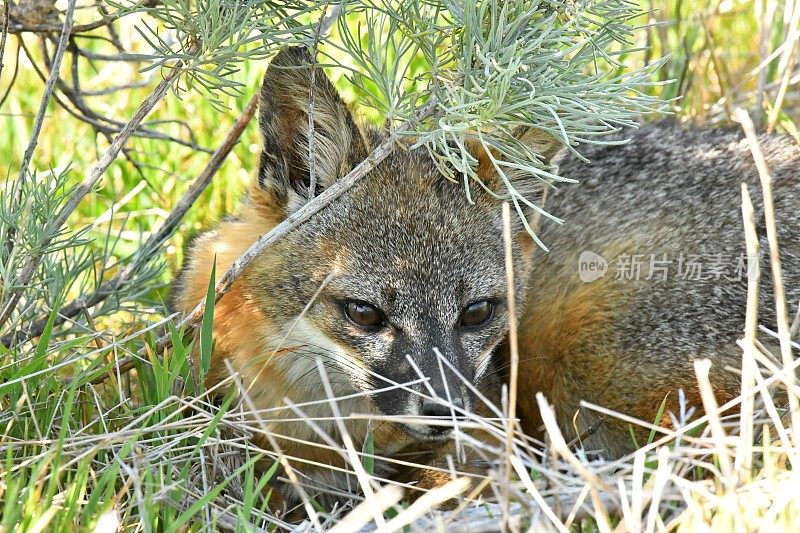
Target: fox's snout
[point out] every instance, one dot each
(438, 395)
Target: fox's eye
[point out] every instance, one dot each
(364, 314)
(477, 314)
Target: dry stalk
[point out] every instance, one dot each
(781, 311)
(537, 497)
(795, 323)
(765, 15)
(78, 28)
(514, 355)
(744, 452)
(787, 62)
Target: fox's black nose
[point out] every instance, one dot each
(443, 412)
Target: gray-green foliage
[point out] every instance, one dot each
(212, 37)
(495, 66)
(491, 65)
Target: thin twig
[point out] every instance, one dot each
(87, 185)
(155, 240)
(6, 20)
(104, 124)
(781, 311)
(13, 74)
(79, 28)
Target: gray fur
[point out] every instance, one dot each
(673, 190)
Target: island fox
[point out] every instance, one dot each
(403, 271)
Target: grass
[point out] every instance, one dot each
(155, 453)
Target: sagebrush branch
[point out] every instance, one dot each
(155, 240)
(29, 269)
(37, 123)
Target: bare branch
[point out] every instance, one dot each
(13, 74)
(83, 189)
(48, 91)
(79, 28)
(6, 20)
(100, 123)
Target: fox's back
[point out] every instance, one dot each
(649, 272)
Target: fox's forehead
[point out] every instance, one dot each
(408, 192)
(406, 234)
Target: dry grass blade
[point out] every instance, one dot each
(595, 484)
(276, 448)
(513, 352)
(426, 502)
(781, 310)
(361, 474)
(701, 368)
(362, 514)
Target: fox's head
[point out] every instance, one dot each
(400, 280)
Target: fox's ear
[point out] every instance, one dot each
(288, 90)
(539, 142)
(526, 141)
(546, 147)
(534, 143)
(530, 142)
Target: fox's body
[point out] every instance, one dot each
(403, 266)
(669, 202)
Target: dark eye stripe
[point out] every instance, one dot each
(477, 314)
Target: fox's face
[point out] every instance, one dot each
(399, 286)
